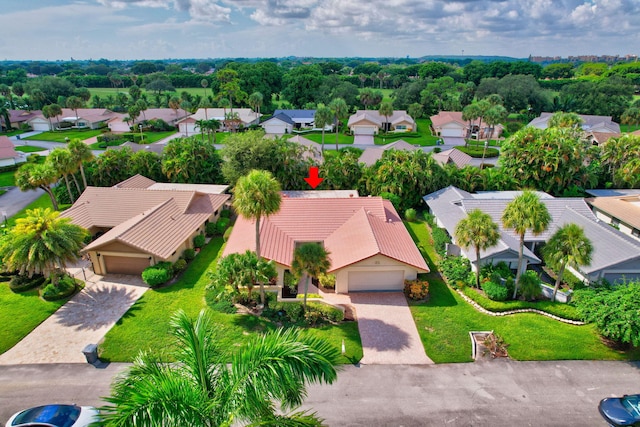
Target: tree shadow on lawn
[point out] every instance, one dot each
(440, 295)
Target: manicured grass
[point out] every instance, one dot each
(29, 148)
(12, 132)
(146, 325)
(103, 92)
(444, 323)
(329, 138)
(149, 138)
(60, 136)
(7, 179)
(478, 152)
(423, 139)
(21, 313)
(629, 128)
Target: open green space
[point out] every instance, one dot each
(145, 326)
(445, 320)
(21, 313)
(62, 135)
(103, 92)
(149, 138)
(29, 148)
(329, 138)
(629, 128)
(7, 179)
(421, 137)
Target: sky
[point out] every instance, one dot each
(164, 29)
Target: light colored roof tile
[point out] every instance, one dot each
(625, 208)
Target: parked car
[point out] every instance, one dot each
(621, 411)
(55, 416)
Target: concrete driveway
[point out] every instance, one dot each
(85, 319)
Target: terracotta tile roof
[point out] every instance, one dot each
(374, 117)
(454, 156)
(625, 208)
(136, 181)
(444, 117)
(372, 154)
(352, 229)
(7, 149)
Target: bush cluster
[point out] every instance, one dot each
(225, 213)
(456, 269)
(293, 313)
(179, 265)
(495, 291)
(227, 233)
(410, 215)
(23, 283)
(65, 287)
(440, 239)
(158, 274)
(199, 241)
(221, 226)
(326, 280)
(416, 290)
(189, 254)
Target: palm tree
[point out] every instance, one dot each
(469, 114)
(62, 161)
(494, 116)
(142, 106)
(255, 101)
(41, 242)
(81, 153)
(525, 212)
(74, 103)
(204, 389)
(37, 175)
(310, 259)
(174, 104)
(568, 246)
(477, 230)
(386, 110)
(256, 195)
(46, 112)
(322, 118)
(55, 110)
(340, 108)
(202, 125)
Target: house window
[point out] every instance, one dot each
(215, 213)
(401, 127)
(635, 232)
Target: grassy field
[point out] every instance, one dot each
(145, 325)
(444, 323)
(149, 138)
(103, 92)
(60, 136)
(329, 138)
(7, 179)
(629, 128)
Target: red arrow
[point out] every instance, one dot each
(314, 180)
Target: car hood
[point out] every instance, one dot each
(613, 409)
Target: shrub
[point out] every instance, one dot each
(226, 234)
(440, 239)
(410, 215)
(225, 213)
(155, 276)
(312, 317)
(199, 241)
(221, 226)
(189, 254)
(530, 285)
(180, 265)
(327, 280)
(495, 291)
(456, 269)
(66, 287)
(210, 229)
(395, 200)
(22, 283)
(416, 290)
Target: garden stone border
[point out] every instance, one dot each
(519, 310)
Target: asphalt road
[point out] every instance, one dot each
(496, 393)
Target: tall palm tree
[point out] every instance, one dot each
(256, 195)
(340, 108)
(568, 246)
(525, 213)
(62, 161)
(479, 231)
(74, 103)
(56, 111)
(310, 259)
(322, 118)
(494, 116)
(386, 110)
(37, 175)
(255, 101)
(81, 153)
(204, 389)
(41, 242)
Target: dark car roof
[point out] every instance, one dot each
(615, 412)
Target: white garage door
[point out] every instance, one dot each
(451, 132)
(364, 130)
(40, 126)
(276, 128)
(376, 281)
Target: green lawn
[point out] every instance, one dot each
(29, 148)
(21, 313)
(12, 132)
(60, 136)
(149, 138)
(444, 323)
(423, 137)
(103, 92)
(145, 325)
(329, 138)
(629, 128)
(7, 179)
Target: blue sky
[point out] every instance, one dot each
(158, 29)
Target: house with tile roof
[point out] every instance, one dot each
(616, 256)
(371, 122)
(246, 117)
(370, 248)
(590, 123)
(168, 115)
(374, 153)
(619, 211)
(450, 124)
(91, 118)
(452, 157)
(313, 150)
(8, 154)
(139, 222)
(17, 118)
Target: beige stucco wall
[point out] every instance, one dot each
(375, 263)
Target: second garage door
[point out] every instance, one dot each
(125, 265)
(376, 280)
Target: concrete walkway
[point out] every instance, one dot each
(85, 319)
(387, 329)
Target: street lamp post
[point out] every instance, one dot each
(141, 135)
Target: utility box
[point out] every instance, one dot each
(91, 353)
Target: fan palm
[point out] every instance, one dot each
(62, 161)
(525, 212)
(568, 246)
(386, 110)
(204, 389)
(479, 231)
(37, 175)
(310, 259)
(322, 118)
(256, 195)
(81, 153)
(339, 108)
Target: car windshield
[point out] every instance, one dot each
(58, 415)
(632, 404)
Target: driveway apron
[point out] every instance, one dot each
(388, 332)
(84, 319)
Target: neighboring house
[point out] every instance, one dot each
(616, 256)
(603, 124)
(279, 124)
(8, 154)
(372, 154)
(188, 126)
(154, 148)
(370, 248)
(138, 222)
(599, 138)
(450, 124)
(371, 122)
(287, 121)
(453, 157)
(91, 118)
(621, 212)
(17, 118)
(313, 149)
(168, 115)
